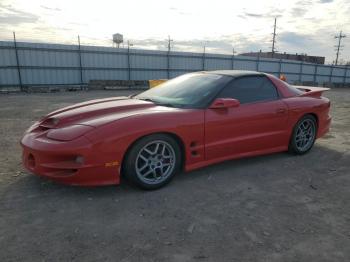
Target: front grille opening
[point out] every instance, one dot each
(60, 172)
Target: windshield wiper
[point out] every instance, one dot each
(159, 103)
(146, 99)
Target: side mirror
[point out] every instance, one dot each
(224, 103)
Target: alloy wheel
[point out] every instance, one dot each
(155, 162)
(305, 135)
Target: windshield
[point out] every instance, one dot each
(192, 90)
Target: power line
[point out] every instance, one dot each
(274, 38)
(339, 37)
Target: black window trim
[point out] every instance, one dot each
(279, 97)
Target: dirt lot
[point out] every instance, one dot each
(270, 208)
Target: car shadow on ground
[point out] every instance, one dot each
(246, 168)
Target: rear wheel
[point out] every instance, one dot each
(153, 161)
(304, 135)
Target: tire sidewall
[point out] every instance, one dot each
(129, 163)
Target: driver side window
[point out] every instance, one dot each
(250, 89)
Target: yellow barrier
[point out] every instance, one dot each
(153, 83)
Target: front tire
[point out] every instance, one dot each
(304, 135)
(153, 161)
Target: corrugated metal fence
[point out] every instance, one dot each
(34, 64)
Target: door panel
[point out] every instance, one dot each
(247, 128)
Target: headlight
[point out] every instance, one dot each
(68, 133)
(32, 127)
(50, 122)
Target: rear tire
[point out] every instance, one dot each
(152, 161)
(304, 135)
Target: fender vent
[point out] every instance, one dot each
(193, 148)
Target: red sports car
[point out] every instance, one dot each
(189, 122)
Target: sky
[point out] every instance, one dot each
(303, 26)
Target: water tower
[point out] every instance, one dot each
(118, 39)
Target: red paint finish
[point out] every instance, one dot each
(247, 128)
(85, 144)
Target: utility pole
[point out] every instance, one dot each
(233, 58)
(274, 38)
(169, 43)
(339, 37)
(168, 56)
(17, 62)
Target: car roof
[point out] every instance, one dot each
(235, 73)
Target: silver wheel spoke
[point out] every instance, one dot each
(143, 167)
(154, 174)
(163, 150)
(143, 158)
(148, 151)
(148, 172)
(156, 149)
(160, 168)
(155, 162)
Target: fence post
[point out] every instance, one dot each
(301, 71)
(17, 62)
(315, 73)
(203, 59)
(258, 61)
(80, 63)
(168, 64)
(233, 58)
(129, 64)
(345, 73)
(279, 67)
(330, 76)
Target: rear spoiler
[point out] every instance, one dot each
(313, 91)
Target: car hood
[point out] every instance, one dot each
(99, 112)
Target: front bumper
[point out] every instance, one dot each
(77, 162)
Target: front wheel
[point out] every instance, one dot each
(304, 135)
(153, 161)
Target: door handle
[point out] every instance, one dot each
(280, 111)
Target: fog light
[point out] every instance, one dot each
(79, 159)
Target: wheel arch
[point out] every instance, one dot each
(175, 136)
(314, 115)
(311, 114)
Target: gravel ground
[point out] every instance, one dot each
(269, 208)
